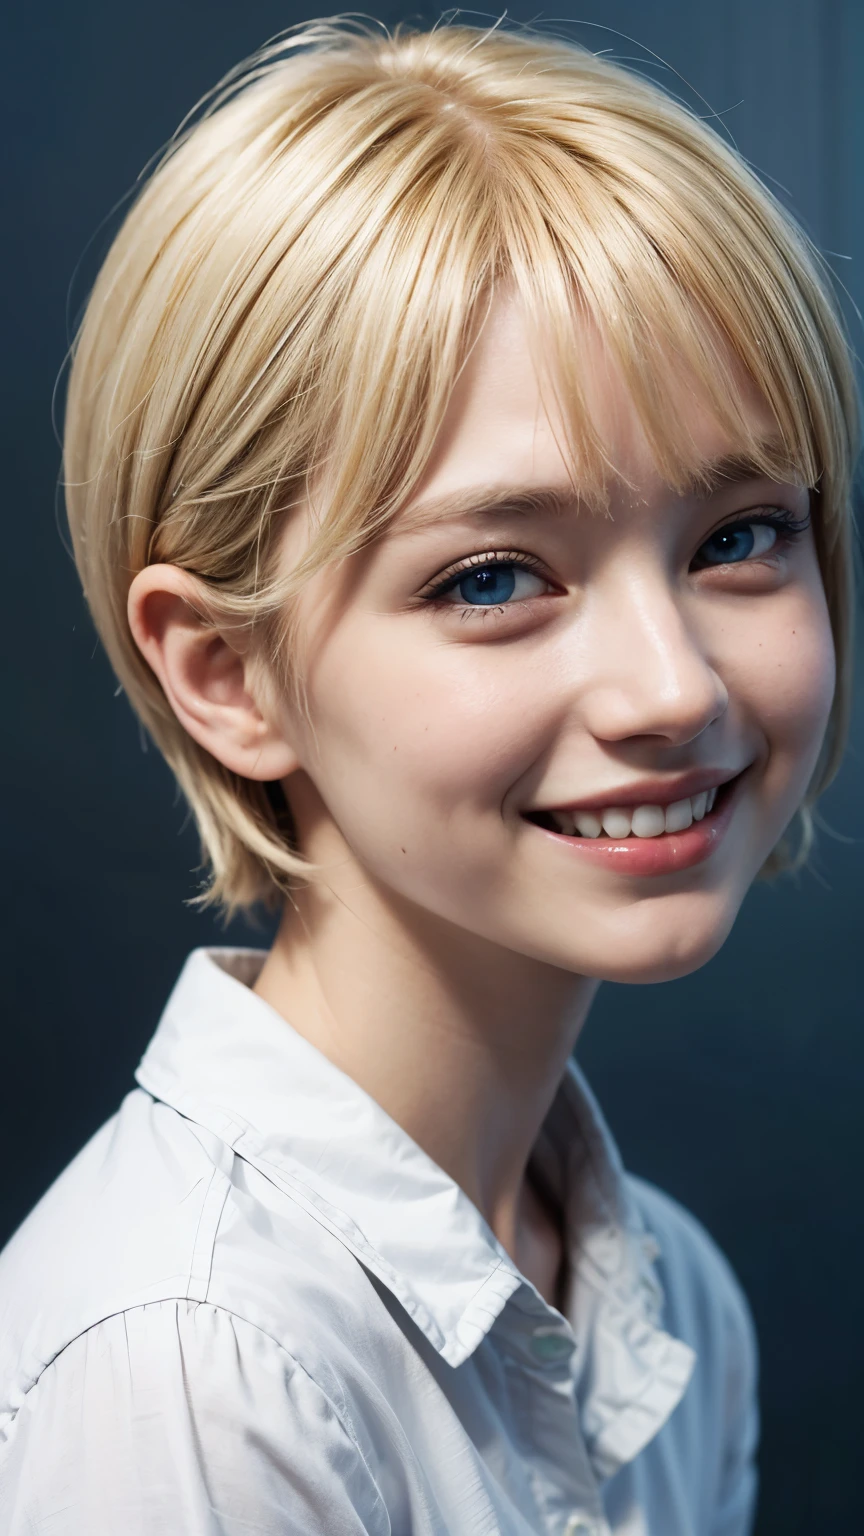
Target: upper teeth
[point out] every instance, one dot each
(639, 821)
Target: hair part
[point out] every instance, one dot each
(290, 299)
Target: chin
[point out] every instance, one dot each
(667, 967)
(653, 947)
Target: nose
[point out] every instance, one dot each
(649, 670)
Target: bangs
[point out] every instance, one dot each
(666, 246)
(692, 302)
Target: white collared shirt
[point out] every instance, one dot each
(253, 1306)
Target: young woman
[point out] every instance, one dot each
(458, 453)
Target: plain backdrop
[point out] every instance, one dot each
(737, 1089)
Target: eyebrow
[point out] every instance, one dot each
(733, 468)
(486, 501)
(500, 501)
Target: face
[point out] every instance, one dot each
(575, 735)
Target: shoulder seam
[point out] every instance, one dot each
(340, 1410)
(209, 1218)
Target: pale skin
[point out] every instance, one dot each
(449, 956)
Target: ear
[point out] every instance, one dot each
(206, 680)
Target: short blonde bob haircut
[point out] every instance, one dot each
(294, 290)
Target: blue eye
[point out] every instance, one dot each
(732, 545)
(489, 585)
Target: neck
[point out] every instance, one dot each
(463, 1043)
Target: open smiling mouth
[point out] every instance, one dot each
(646, 839)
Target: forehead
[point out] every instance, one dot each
(506, 422)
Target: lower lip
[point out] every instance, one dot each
(663, 855)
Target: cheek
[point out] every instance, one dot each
(786, 677)
(422, 734)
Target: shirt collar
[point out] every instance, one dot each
(224, 1058)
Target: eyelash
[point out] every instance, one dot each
(451, 577)
(789, 528)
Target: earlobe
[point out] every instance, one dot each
(205, 678)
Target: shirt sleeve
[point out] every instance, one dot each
(708, 1446)
(179, 1416)
(736, 1504)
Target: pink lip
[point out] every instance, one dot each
(664, 855)
(652, 791)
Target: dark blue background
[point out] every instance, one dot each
(737, 1089)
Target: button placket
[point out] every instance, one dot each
(539, 1346)
(550, 1344)
(560, 1470)
(577, 1525)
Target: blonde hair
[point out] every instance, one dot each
(294, 291)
